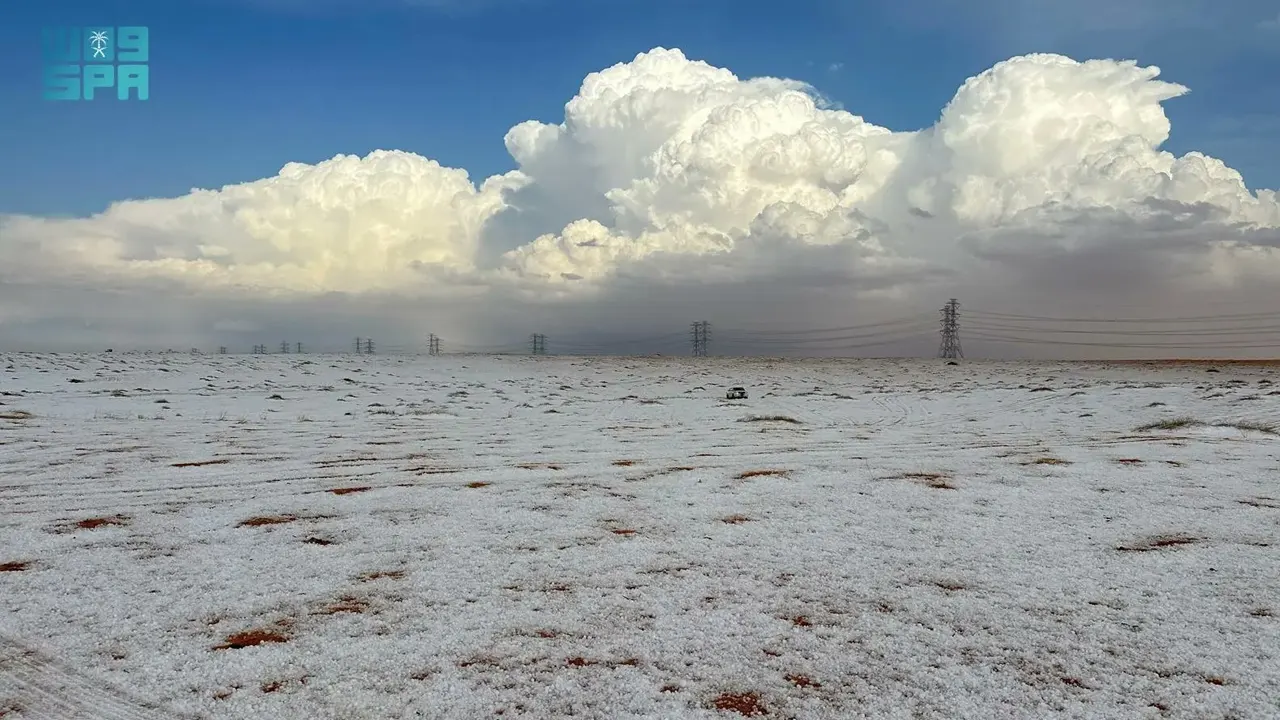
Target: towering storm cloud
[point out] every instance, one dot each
(1043, 179)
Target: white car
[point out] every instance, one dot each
(736, 393)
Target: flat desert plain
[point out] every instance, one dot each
(312, 536)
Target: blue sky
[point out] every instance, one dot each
(240, 87)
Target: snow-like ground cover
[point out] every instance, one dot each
(464, 537)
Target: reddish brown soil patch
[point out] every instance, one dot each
(91, 523)
(801, 621)
(735, 519)
(748, 704)
(771, 653)
(1129, 461)
(317, 541)
(14, 566)
(251, 638)
(670, 689)
(478, 484)
(580, 662)
(950, 586)
(202, 463)
(262, 520)
(1158, 542)
(379, 574)
(350, 490)
(760, 473)
(272, 686)
(1073, 681)
(624, 531)
(624, 463)
(803, 681)
(1215, 680)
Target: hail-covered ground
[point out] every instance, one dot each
(298, 536)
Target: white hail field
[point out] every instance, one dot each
(544, 537)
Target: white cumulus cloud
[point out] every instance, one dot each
(671, 177)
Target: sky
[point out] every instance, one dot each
(608, 171)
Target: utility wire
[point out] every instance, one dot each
(1203, 318)
(907, 320)
(1171, 346)
(1256, 329)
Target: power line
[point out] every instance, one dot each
(1171, 346)
(1200, 318)
(1159, 333)
(865, 326)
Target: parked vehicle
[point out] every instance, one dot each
(736, 393)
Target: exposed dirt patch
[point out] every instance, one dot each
(1178, 423)
(623, 531)
(937, 481)
(1159, 542)
(623, 463)
(801, 621)
(14, 566)
(735, 519)
(1047, 461)
(202, 463)
(97, 522)
(771, 418)
(761, 473)
(1129, 461)
(950, 586)
(803, 681)
(16, 415)
(263, 520)
(250, 638)
(381, 574)
(346, 604)
(318, 541)
(749, 704)
(478, 484)
(540, 466)
(1262, 502)
(350, 490)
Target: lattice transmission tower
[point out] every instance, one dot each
(538, 344)
(701, 334)
(433, 344)
(950, 348)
